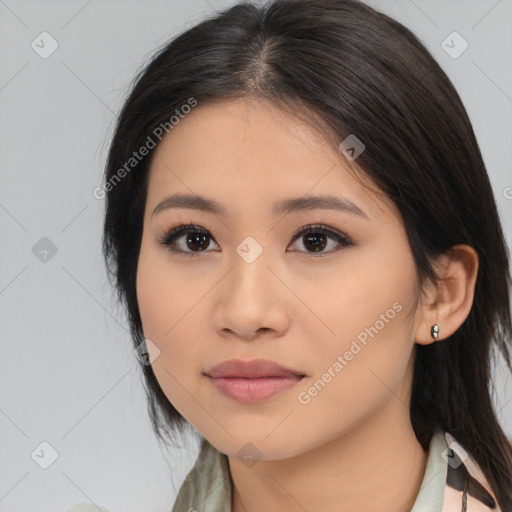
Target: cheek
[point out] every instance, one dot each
(167, 321)
(162, 295)
(369, 289)
(161, 305)
(360, 370)
(367, 316)
(170, 302)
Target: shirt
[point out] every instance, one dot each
(453, 482)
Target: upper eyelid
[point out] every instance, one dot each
(191, 227)
(323, 227)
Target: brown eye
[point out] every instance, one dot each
(315, 241)
(316, 238)
(188, 238)
(198, 241)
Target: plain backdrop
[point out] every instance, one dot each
(70, 386)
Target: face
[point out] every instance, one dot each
(334, 302)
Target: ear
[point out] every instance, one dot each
(448, 304)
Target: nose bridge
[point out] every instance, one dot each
(250, 274)
(250, 297)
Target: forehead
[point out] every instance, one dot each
(234, 128)
(244, 151)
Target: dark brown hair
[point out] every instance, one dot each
(362, 73)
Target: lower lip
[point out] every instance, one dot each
(253, 390)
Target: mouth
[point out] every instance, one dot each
(252, 381)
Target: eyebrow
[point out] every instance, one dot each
(283, 207)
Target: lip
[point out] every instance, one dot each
(252, 369)
(252, 381)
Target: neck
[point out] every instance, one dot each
(377, 466)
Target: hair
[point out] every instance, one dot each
(359, 72)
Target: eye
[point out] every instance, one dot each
(197, 240)
(193, 240)
(316, 237)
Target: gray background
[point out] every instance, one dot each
(68, 375)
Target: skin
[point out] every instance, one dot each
(355, 435)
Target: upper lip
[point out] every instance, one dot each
(253, 369)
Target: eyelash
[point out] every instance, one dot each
(170, 237)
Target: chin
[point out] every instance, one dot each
(257, 446)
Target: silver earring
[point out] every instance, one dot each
(434, 331)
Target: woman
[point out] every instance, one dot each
(302, 229)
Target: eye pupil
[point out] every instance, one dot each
(197, 238)
(315, 241)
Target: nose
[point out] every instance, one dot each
(251, 302)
